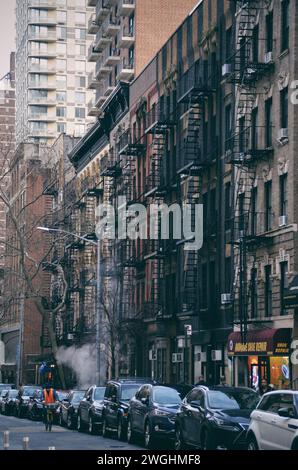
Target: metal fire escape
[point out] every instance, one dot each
(244, 152)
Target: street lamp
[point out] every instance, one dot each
(99, 380)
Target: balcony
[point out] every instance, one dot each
(101, 39)
(126, 71)
(93, 54)
(44, 133)
(48, 36)
(93, 26)
(49, 70)
(101, 11)
(126, 37)
(44, 4)
(111, 57)
(92, 109)
(111, 26)
(126, 7)
(41, 117)
(93, 81)
(100, 99)
(43, 54)
(102, 70)
(41, 101)
(42, 86)
(35, 20)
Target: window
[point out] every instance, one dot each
(61, 48)
(61, 16)
(268, 122)
(61, 127)
(80, 113)
(228, 125)
(37, 110)
(268, 205)
(228, 206)
(61, 65)
(61, 81)
(79, 130)
(80, 34)
(80, 65)
(80, 49)
(254, 293)
(255, 44)
(242, 134)
(80, 18)
(241, 200)
(269, 32)
(79, 97)
(204, 286)
(229, 49)
(284, 25)
(283, 197)
(61, 111)
(268, 291)
(284, 108)
(61, 96)
(80, 81)
(61, 32)
(254, 129)
(283, 284)
(254, 210)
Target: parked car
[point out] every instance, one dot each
(2, 395)
(274, 423)
(62, 394)
(23, 398)
(116, 403)
(215, 417)
(8, 403)
(6, 386)
(69, 408)
(152, 413)
(90, 409)
(35, 406)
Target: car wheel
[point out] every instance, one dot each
(120, 430)
(207, 442)
(252, 443)
(130, 432)
(105, 432)
(179, 442)
(69, 421)
(148, 438)
(91, 427)
(79, 423)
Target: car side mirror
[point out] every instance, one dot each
(145, 401)
(285, 413)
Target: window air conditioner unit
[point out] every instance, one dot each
(177, 357)
(152, 355)
(283, 134)
(70, 336)
(226, 70)
(283, 220)
(226, 299)
(216, 355)
(268, 57)
(201, 357)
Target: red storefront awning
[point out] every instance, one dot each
(268, 342)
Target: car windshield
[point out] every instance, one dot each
(233, 399)
(61, 395)
(166, 396)
(5, 387)
(78, 396)
(12, 393)
(99, 393)
(128, 391)
(29, 392)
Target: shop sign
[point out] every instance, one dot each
(264, 342)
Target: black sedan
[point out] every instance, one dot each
(152, 414)
(8, 403)
(69, 408)
(215, 417)
(35, 406)
(23, 398)
(90, 409)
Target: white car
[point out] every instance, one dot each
(274, 423)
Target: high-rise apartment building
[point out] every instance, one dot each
(127, 35)
(52, 42)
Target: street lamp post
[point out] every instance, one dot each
(99, 380)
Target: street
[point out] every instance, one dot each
(60, 438)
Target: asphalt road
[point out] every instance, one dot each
(60, 438)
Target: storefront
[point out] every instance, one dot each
(265, 355)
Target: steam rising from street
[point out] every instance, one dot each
(82, 361)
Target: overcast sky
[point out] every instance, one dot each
(7, 33)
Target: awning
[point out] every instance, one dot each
(267, 342)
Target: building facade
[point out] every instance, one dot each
(51, 95)
(127, 35)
